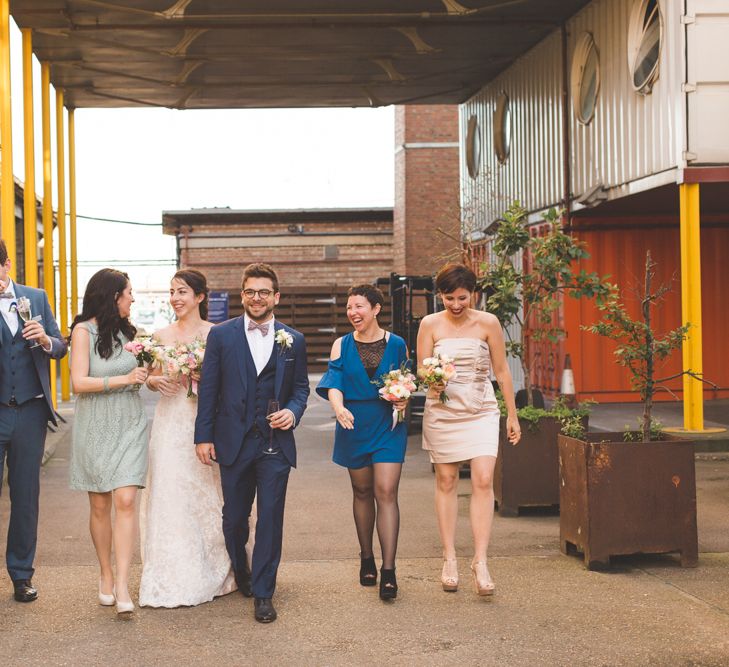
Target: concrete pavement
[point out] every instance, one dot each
(548, 609)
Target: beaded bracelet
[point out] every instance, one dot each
(106, 384)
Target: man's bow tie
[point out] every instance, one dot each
(7, 295)
(263, 328)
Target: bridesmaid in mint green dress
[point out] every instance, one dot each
(109, 453)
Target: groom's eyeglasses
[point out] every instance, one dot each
(261, 293)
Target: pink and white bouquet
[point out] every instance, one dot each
(397, 385)
(438, 369)
(183, 360)
(143, 349)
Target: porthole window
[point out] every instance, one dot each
(585, 78)
(645, 33)
(502, 128)
(473, 147)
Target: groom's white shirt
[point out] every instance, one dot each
(10, 316)
(261, 346)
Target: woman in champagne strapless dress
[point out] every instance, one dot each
(466, 426)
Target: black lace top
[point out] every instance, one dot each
(371, 355)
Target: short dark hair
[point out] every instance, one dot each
(369, 292)
(454, 276)
(198, 283)
(260, 270)
(3, 252)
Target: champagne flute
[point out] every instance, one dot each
(273, 406)
(22, 307)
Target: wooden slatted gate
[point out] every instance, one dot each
(319, 312)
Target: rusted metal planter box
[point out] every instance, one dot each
(619, 498)
(527, 475)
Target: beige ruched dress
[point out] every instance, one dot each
(467, 425)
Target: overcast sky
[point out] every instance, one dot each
(134, 163)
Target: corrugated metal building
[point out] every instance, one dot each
(607, 117)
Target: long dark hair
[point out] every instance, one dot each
(100, 298)
(198, 283)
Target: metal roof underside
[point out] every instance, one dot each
(208, 54)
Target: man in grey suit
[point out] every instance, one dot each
(25, 408)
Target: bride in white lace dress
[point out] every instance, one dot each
(184, 560)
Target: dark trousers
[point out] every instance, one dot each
(22, 439)
(255, 473)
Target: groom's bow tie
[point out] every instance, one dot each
(7, 295)
(263, 328)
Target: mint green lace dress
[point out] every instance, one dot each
(109, 428)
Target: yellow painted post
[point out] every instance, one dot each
(49, 275)
(61, 222)
(693, 390)
(7, 185)
(29, 212)
(72, 209)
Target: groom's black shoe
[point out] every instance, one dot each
(243, 579)
(264, 611)
(24, 591)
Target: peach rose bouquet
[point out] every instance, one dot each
(437, 370)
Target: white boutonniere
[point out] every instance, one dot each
(284, 339)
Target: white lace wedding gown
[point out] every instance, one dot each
(184, 560)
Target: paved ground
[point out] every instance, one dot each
(548, 609)
(618, 416)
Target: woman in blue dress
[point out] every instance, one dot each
(365, 441)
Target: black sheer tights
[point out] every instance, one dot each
(375, 501)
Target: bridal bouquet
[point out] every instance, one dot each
(438, 369)
(397, 385)
(143, 349)
(184, 360)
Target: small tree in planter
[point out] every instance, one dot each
(618, 496)
(531, 298)
(639, 348)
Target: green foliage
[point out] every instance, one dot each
(639, 346)
(559, 410)
(632, 435)
(532, 297)
(637, 342)
(573, 426)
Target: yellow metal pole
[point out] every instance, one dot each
(72, 209)
(29, 212)
(693, 390)
(7, 185)
(49, 275)
(61, 222)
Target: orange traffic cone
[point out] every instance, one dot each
(567, 385)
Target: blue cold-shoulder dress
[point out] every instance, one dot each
(372, 440)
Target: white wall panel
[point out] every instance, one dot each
(533, 172)
(631, 135)
(707, 35)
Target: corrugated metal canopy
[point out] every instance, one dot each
(204, 54)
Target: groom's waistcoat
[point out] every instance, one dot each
(18, 374)
(263, 391)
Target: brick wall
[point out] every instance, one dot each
(327, 252)
(426, 187)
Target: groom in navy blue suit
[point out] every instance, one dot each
(251, 396)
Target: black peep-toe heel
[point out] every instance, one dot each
(367, 571)
(388, 584)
